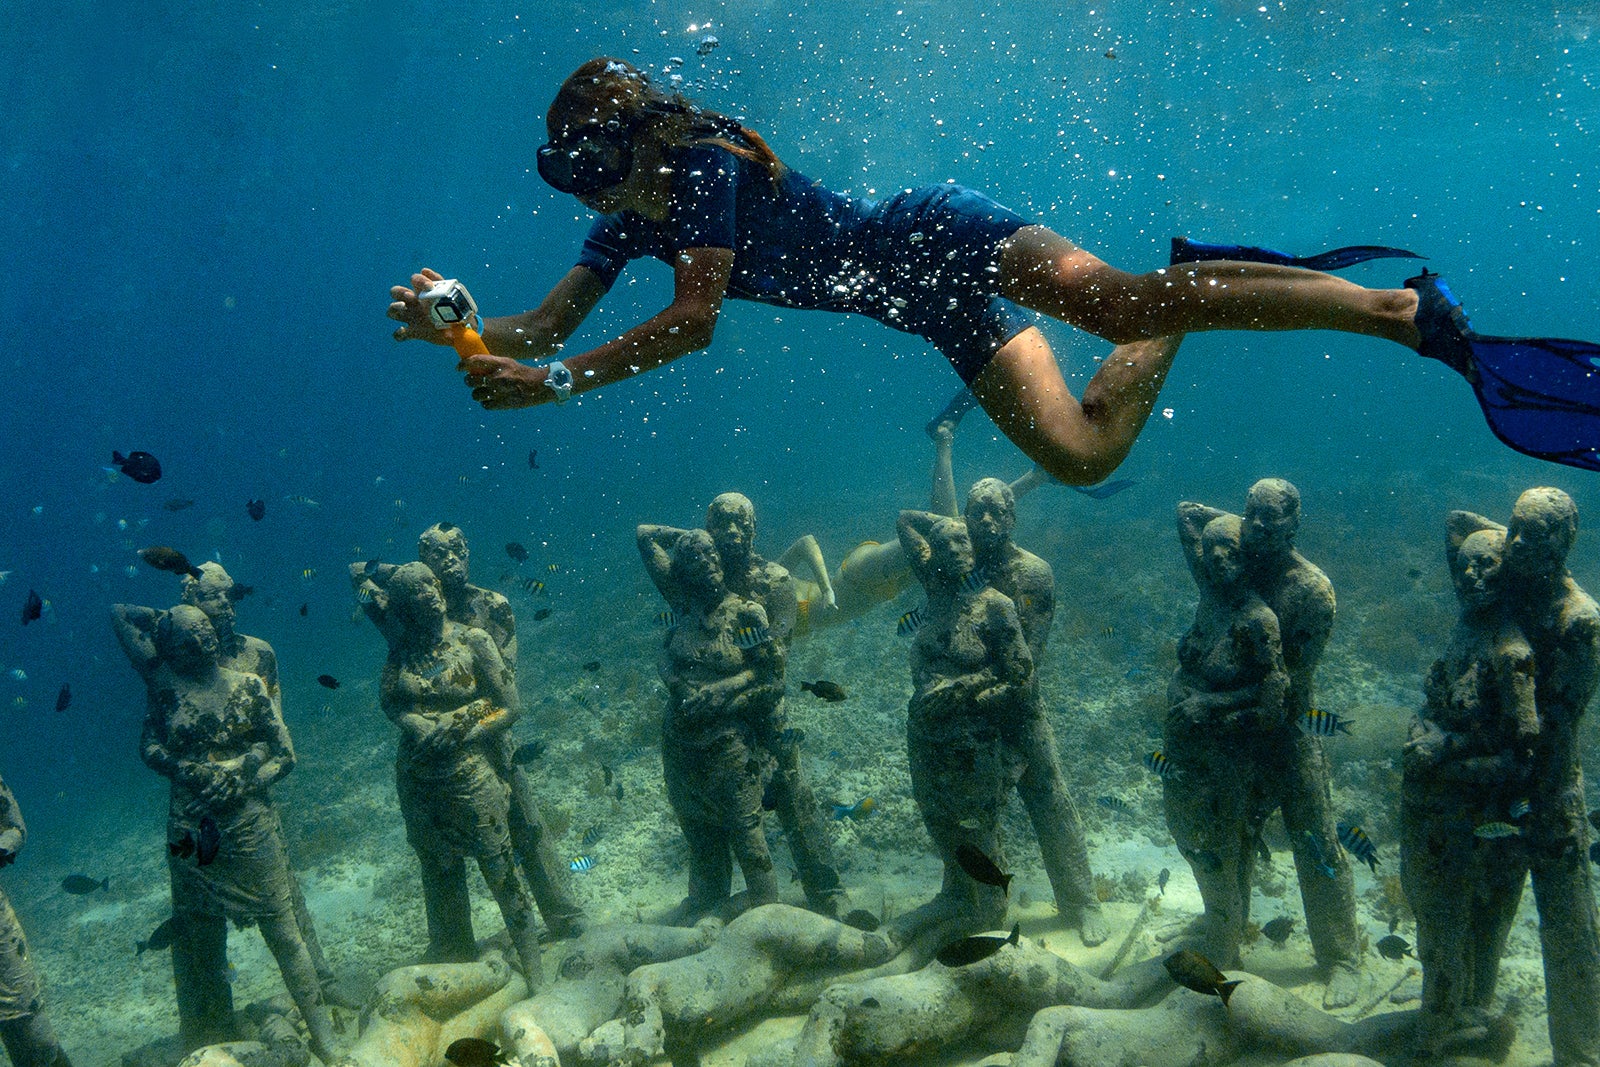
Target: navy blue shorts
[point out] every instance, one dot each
(937, 251)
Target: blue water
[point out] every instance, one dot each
(203, 207)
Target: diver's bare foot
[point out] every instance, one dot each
(1344, 986)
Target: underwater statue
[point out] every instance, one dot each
(443, 547)
(991, 515)
(1562, 624)
(24, 1028)
(724, 673)
(972, 691)
(1301, 597)
(452, 697)
(731, 522)
(216, 733)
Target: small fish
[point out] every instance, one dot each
(515, 550)
(832, 692)
(541, 615)
(167, 559)
(1319, 723)
(981, 868)
(1111, 53)
(305, 607)
(474, 1052)
(237, 592)
(1161, 881)
(160, 938)
(327, 681)
(1320, 855)
(229, 972)
(207, 841)
(1116, 804)
(858, 811)
(619, 793)
(591, 836)
(970, 950)
(256, 509)
(1193, 971)
(1358, 844)
(1491, 831)
(303, 501)
(667, 619)
(1106, 489)
(18, 674)
(551, 567)
(975, 581)
(182, 848)
(533, 459)
(608, 774)
(748, 637)
(64, 698)
(308, 573)
(1594, 852)
(532, 585)
(580, 864)
(7, 574)
(1278, 930)
(1594, 818)
(79, 884)
(529, 751)
(142, 467)
(792, 735)
(592, 665)
(32, 608)
(434, 670)
(1520, 808)
(1263, 853)
(178, 503)
(909, 623)
(1394, 948)
(1159, 765)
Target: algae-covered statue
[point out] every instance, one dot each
(1562, 625)
(443, 548)
(24, 1028)
(724, 673)
(1224, 732)
(972, 688)
(991, 515)
(452, 696)
(731, 522)
(218, 735)
(1469, 763)
(1302, 599)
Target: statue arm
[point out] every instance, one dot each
(276, 752)
(1192, 519)
(1458, 526)
(655, 549)
(154, 746)
(913, 528)
(13, 831)
(135, 628)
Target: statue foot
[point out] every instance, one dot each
(342, 994)
(1092, 925)
(1344, 986)
(565, 928)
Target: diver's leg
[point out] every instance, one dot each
(1076, 443)
(549, 880)
(942, 495)
(805, 552)
(1305, 786)
(282, 933)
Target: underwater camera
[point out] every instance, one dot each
(452, 309)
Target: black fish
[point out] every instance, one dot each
(64, 698)
(1278, 930)
(1161, 881)
(1394, 948)
(304, 608)
(178, 503)
(529, 751)
(533, 459)
(207, 842)
(607, 772)
(1594, 852)
(832, 692)
(972, 949)
(160, 938)
(515, 550)
(32, 608)
(1105, 489)
(183, 848)
(327, 681)
(1193, 971)
(142, 467)
(619, 790)
(541, 615)
(474, 1052)
(592, 665)
(256, 509)
(976, 863)
(167, 559)
(79, 884)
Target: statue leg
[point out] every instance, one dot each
(959, 780)
(1500, 871)
(548, 877)
(1211, 808)
(1330, 903)
(801, 819)
(287, 944)
(200, 975)
(710, 868)
(31, 1042)
(1435, 872)
(511, 893)
(1058, 828)
(449, 908)
(1568, 931)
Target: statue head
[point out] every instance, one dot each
(416, 598)
(696, 565)
(950, 554)
(1271, 518)
(1543, 529)
(186, 641)
(991, 515)
(443, 547)
(1476, 569)
(212, 593)
(1222, 553)
(731, 522)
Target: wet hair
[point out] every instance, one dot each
(614, 87)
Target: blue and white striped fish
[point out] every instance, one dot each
(667, 618)
(580, 864)
(1320, 723)
(976, 580)
(1159, 765)
(1520, 808)
(748, 637)
(909, 623)
(1358, 844)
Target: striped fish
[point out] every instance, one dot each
(748, 637)
(1491, 831)
(1321, 855)
(975, 581)
(1520, 808)
(591, 836)
(1116, 804)
(580, 864)
(1358, 844)
(1319, 723)
(909, 623)
(532, 585)
(1159, 765)
(667, 618)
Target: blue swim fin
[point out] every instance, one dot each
(1540, 395)
(1187, 251)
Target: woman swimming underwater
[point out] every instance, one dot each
(707, 196)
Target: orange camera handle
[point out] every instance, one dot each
(467, 341)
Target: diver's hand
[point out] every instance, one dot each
(406, 308)
(499, 383)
